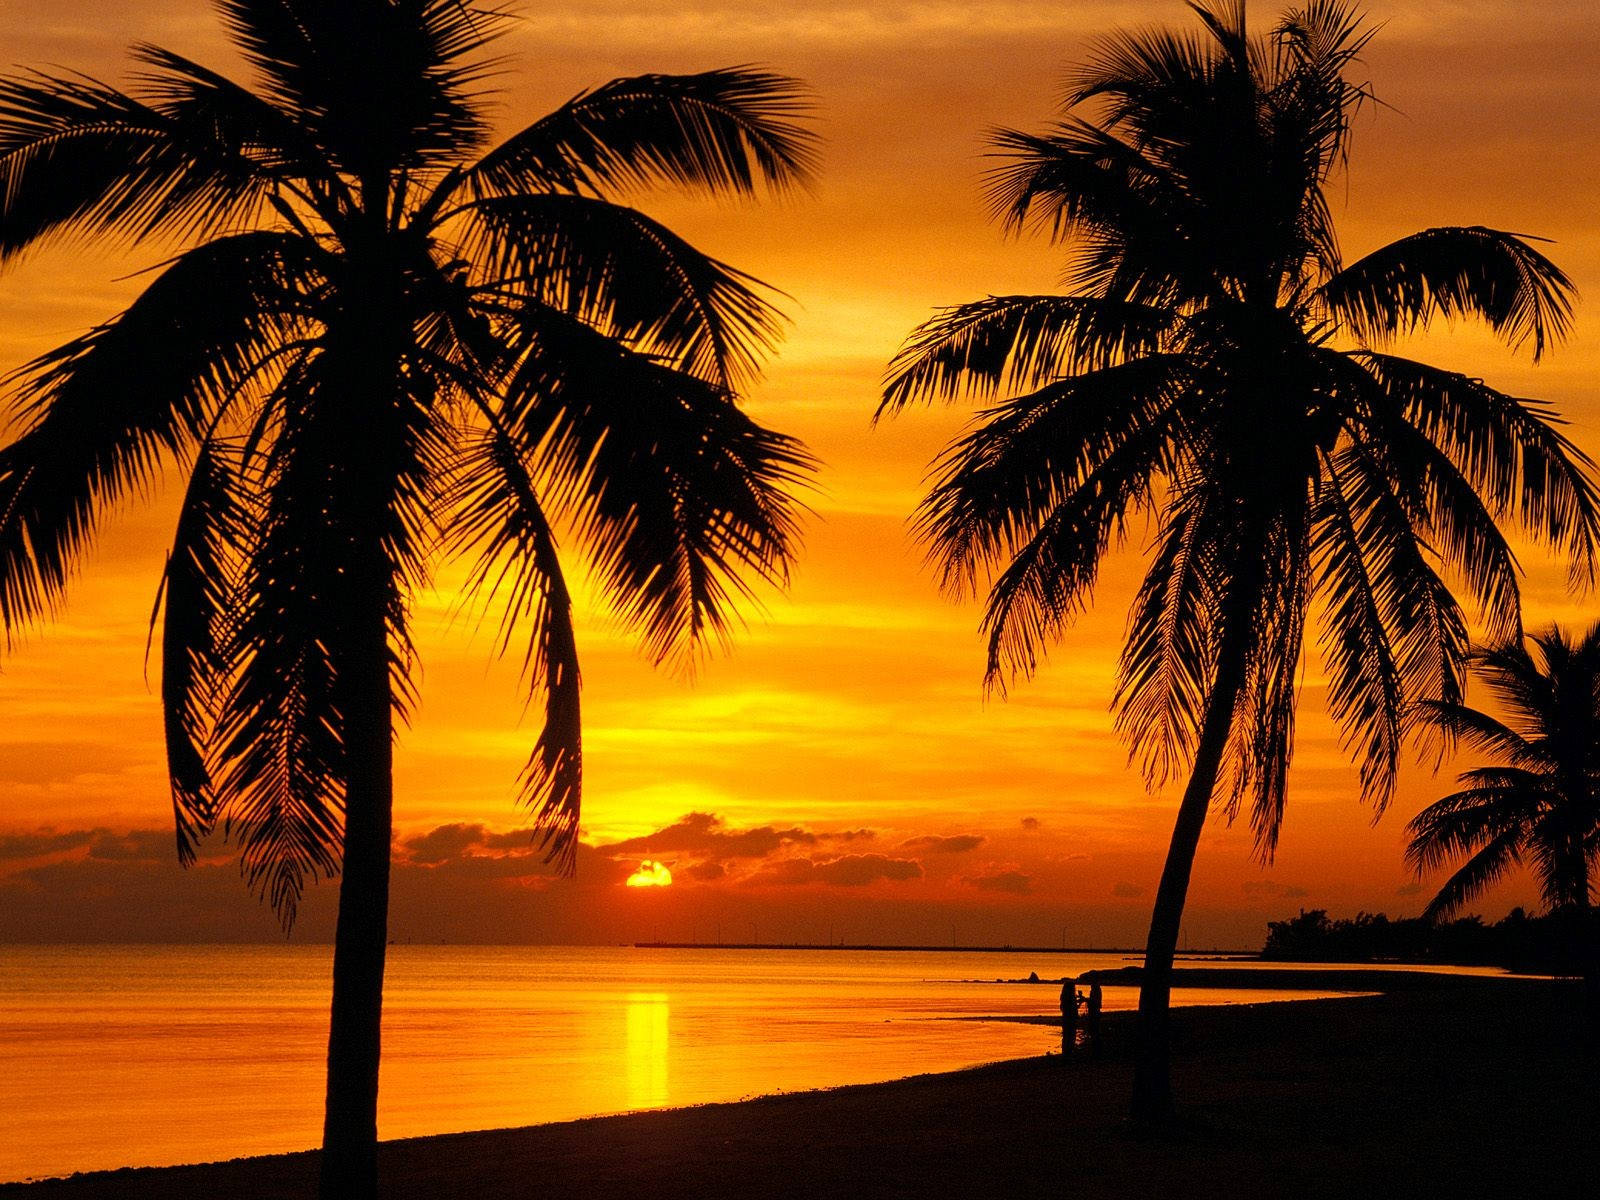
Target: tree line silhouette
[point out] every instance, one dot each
(383, 340)
(1518, 941)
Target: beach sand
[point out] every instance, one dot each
(1434, 1092)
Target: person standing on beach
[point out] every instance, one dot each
(1069, 1016)
(1092, 1012)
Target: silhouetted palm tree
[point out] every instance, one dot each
(1213, 368)
(1540, 802)
(386, 338)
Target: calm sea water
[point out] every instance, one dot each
(149, 1055)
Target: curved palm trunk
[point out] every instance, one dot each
(1591, 971)
(1585, 936)
(1588, 949)
(350, 1127)
(1578, 930)
(366, 448)
(1152, 1080)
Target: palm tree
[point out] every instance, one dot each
(1216, 368)
(380, 337)
(1540, 803)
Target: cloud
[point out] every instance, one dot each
(1266, 887)
(444, 843)
(1030, 824)
(1127, 891)
(143, 845)
(943, 845)
(131, 888)
(1013, 882)
(850, 870)
(850, 835)
(140, 845)
(1414, 888)
(707, 872)
(704, 834)
(42, 842)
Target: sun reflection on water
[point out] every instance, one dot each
(647, 1042)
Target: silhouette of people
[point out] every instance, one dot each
(1069, 1016)
(1092, 1012)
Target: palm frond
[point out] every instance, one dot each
(499, 520)
(1439, 503)
(1458, 722)
(1165, 673)
(1135, 71)
(1055, 563)
(1081, 179)
(1024, 342)
(677, 492)
(242, 133)
(382, 86)
(1508, 450)
(1356, 564)
(1450, 272)
(77, 155)
(1273, 594)
(1459, 824)
(725, 131)
(281, 763)
(1529, 694)
(190, 340)
(1492, 863)
(199, 594)
(1024, 460)
(623, 273)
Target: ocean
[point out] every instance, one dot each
(117, 1056)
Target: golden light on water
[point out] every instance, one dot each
(650, 874)
(648, 1041)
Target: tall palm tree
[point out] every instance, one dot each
(1216, 368)
(380, 336)
(1540, 802)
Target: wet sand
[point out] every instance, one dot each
(1459, 1092)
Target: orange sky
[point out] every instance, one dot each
(840, 772)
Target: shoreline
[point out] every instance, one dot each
(875, 948)
(1468, 1090)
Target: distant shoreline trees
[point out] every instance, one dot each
(1518, 941)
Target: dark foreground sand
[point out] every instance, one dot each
(1471, 1091)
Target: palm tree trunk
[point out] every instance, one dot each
(1586, 939)
(1590, 951)
(1579, 932)
(350, 1128)
(368, 438)
(1152, 1080)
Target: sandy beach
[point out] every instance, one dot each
(1476, 1090)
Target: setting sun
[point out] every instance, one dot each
(650, 874)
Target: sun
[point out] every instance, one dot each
(650, 874)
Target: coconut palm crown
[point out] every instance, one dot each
(380, 337)
(1539, 803)
(1217, 372)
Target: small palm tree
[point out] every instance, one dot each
(1540, 802)
(1215, 368)
(381, 337)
